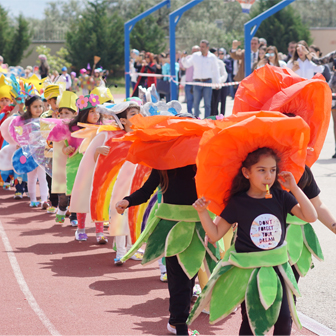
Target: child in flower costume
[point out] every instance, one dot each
(233, 182)
(280, 89)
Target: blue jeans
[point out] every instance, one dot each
(206, 93)
(189, 94)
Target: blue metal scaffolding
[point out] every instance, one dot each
(128, 26)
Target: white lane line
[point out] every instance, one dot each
(23, 285)
(314, 326)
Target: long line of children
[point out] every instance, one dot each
(239, 168)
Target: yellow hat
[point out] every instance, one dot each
(103, 93)
(68, 100)
(5, 89)
(38, 83)
(51, 91)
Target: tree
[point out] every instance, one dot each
(96, 34)
(147, 35)
(56, 63)
(15, 37)
(282, 27)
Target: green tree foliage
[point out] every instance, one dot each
(55, 62)
(282, 27)
(95, 33)
(15, 37)
(316, 13)
(147, 34)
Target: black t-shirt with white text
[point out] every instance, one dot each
(261, 221)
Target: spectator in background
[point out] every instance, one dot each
(189, 73)
(316, 50)
(261, 58)
(133, 70)
(317, 59)
(262, 42)
(206, 70)
(271, 58)
(332, 84)
(238, 54)
(216, 93)
(44, 67)
(1, 61)
(65, 77)
(166, 71)
(36, 71)
(291, 50)
(28, 71)
(301, 65)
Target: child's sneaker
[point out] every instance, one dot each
(34, 204)
(171, 328)
(101, 239)
(45, 205)
(106, 225)
(60, 219)
(163, 277)
(81, 236)
(137, 256)
(51, 209)
(118, 262)
(18, 195)
(6, 186)
(74, 222)
(197, 290)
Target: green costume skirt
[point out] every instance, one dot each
(175, 230)
(72, 165)
(302, 244)
(250, 277)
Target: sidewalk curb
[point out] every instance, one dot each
(314, 326)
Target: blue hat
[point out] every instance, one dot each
(64, 68)
(135, 51)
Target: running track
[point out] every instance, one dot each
(51, 284)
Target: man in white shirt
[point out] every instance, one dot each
(206, 70)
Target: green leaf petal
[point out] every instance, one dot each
(267, 285)
(304, 263)
(205, 297)
(311, 241)
(292, 307)
(260, 319)
(289, 277)
(228, 292)
(294, 239)
(179, 238)
(156, 242)
(192, 257)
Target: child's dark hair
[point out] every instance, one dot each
(240, 183)
(68, 108)
(82, 117)
(123, 114)
(30, 100)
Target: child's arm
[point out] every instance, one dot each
(323, 214)
(103, 150)
(304, 210)
(213, 231)
(67, 150)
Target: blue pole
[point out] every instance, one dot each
(128, 26)
(252, 26)
(174, 18)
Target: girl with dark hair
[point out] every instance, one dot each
(34, 109)
(90, 115)
(300, 63)
(255, 214)
(243, 181)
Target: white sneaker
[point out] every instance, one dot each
(171, 329)
(163, 277)
(137, 256)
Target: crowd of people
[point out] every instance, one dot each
(82, 148)
(304, 60)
